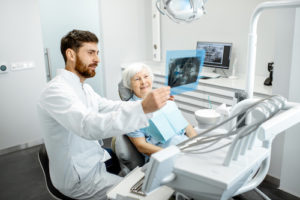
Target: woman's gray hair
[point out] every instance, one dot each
(131, 70)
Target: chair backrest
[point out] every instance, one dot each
(127, 153)
(44, 162)
(124, 93)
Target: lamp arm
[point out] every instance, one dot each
(157, 4)
(252, 37)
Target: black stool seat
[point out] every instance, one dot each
(44, 162)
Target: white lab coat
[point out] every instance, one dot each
(74, 118)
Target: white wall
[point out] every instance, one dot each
(290, 179)
(225, 21)
(126, 37)
(20, 40)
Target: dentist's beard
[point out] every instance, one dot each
(83, 69)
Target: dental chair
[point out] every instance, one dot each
(126, 152)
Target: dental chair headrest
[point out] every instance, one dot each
(124, 93)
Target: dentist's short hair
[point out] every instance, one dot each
(132, 70)
(75, 39)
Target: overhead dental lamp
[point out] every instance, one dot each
(181, 10)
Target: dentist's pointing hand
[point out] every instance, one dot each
(156, 99)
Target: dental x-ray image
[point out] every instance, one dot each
(183, 68)
(183, 71)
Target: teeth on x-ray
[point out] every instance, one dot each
(183, 69)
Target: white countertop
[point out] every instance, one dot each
(240, 83)
(158, 68)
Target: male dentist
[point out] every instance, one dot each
(76, 119)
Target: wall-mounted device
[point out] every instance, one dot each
(3, 68)
(16, 66)
(269, 80)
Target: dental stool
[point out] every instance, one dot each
(44, 162)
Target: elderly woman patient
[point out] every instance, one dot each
(138, 78)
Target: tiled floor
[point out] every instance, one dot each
(21, 178)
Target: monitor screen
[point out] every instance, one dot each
(217, 54)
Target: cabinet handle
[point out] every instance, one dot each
(48, 65)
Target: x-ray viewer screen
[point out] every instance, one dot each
(183, 68)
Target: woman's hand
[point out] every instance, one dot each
(172, 98)
(190, 131)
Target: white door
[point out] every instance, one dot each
(58, 17)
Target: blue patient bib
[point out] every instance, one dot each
(166, 123)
